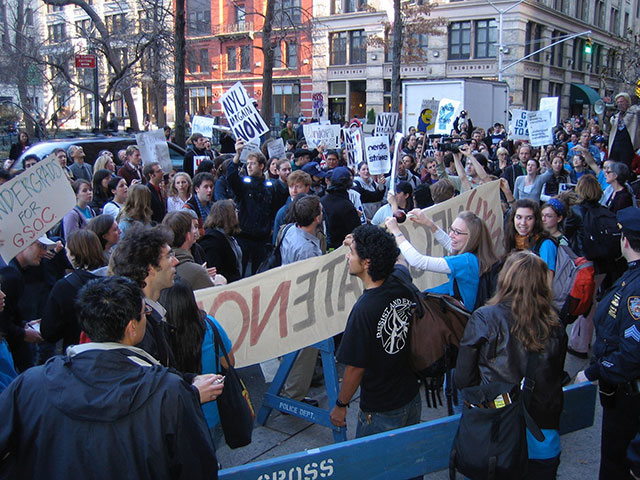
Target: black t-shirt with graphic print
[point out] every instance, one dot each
(377, 339)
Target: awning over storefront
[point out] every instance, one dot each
(583, 95)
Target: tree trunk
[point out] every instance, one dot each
(267, 80)
(20, 63)
(396, 50)
(127, 96)
(179, 73)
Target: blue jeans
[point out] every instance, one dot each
(370, 423)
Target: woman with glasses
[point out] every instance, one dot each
(617, 175)
(470, 243)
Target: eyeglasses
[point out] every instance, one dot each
(457, 233)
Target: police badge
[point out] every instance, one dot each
(633, 304)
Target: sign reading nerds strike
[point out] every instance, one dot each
(243, 117)
(32, 203)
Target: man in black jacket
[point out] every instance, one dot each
(340, 215)
(255, 201)
(154, 174)
(195, 154)
(98, 395)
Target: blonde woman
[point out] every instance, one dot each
(137, 208)
(180, 192)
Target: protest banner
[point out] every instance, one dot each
(276, 149)
(245, 121)
(250, 147)
(551, 104)
(540, 128)
(447, 111)
(519, 125)
(397, 156)
(317, 134)
(377, 150)
(427, 119)
(153, 148)
(386, 124)
(203, 125)
(32, 203)
(296, 305)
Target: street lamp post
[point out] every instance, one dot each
(501, 13)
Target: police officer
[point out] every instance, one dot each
(616, 355)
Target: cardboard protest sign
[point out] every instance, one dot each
(203, 125)
(317, 107)
(447, 111)
(386, 124)
(428, 113)
(540, 128)
(32, 203)
(245, 121)
(519, 125)
(296, 305)
(551, 104)
(276, 149)
(153, 148)
(250, 147)
(317, 134)
(377, 150)
(353, 144)
(397, 157)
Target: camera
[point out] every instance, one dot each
(446, 145)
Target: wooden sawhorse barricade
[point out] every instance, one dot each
(402, 453)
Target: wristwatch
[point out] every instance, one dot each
(342, 405)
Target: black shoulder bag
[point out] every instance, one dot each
(491, 442)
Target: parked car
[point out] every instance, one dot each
(93, 145)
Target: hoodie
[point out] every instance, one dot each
(105, 410)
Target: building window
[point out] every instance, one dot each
(54, 8)
(598, 13)
(292, 55)
(459, 40)
(204, 60)
(357, 47)
(614, 21)
(57, 32)
(581, 9)
(337, 102)
(286, 99)
(198, 17)
(338, 48)
(240, 14)
(277, 56)
(533, 37)
(199, 100)
(486, 38)
(245, 57)
(347, 6)
(232, 63)
(287, 13)
(530, 93)
(116, 23)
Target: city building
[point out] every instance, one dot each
(355, 76)
(133, 58)
(224, 46)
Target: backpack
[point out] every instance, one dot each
(486, 286)
(274, 259)
(600, 234)
(573, 283)
(436, 328)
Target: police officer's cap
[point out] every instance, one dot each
(629, 220)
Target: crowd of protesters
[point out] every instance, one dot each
(215, 221)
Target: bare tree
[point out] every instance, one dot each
(412, 22)
(180, 127)
(122, 47)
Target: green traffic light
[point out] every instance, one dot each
(588, 46)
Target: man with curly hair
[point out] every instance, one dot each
(375, 347)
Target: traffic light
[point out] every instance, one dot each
(588, 46)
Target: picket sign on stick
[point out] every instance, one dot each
(153, 148)
(386, 124)
(245, 121)
(296, 305)
(398, 138)
(377, 150)
(32, 203)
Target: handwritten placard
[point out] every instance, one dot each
(32, 203)
(153, 148)
(203, 125)
(245, 121)
(276, 149)
(386, 124)
(540, 128)
(317, 134)
(447, 111)
(377, 150)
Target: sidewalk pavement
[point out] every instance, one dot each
(283, 435)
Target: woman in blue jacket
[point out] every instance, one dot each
(469, 242)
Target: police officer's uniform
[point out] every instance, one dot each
(616, 361)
